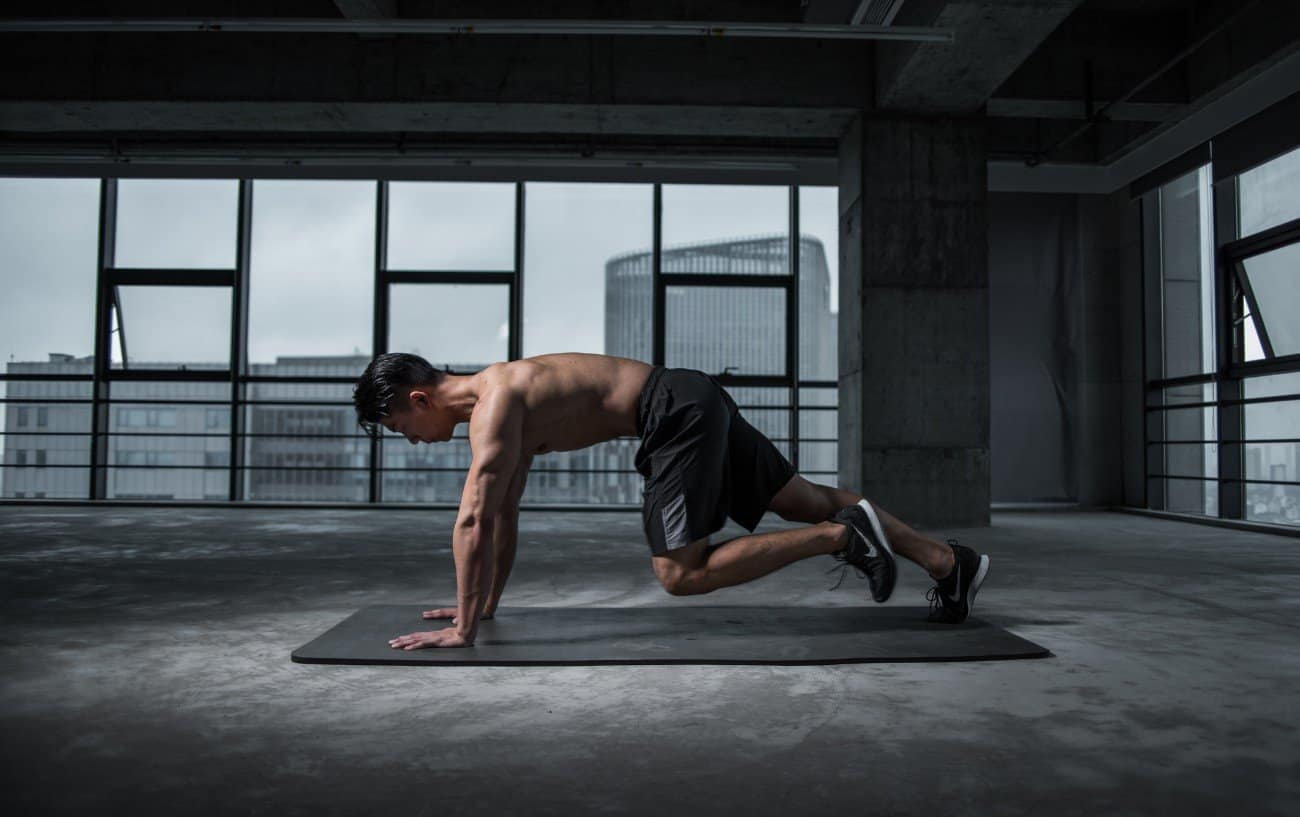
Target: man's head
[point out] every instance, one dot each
(398, 391)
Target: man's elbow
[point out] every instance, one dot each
(479, 523)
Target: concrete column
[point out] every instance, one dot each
(913, 325)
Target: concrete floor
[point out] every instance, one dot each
(144, 668)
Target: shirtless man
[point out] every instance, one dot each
(701, 459)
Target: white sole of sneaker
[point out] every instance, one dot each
(975, 583)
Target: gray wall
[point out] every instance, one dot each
(1065, 300)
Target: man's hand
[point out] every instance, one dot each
(450, 612)
(433, 638)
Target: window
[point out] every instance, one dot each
(49, 229)
(1269, 195)
(171, 327)
(215, 418)
(465, 326)
(176, 223)
(1270, 283)
(1223, 440)
(1187, 275)
(573, 301)
(312, 267)
(587, 265)
(451, 226)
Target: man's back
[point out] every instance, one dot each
(573, 399)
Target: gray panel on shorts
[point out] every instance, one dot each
(674, 517)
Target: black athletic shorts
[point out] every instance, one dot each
(701, 460)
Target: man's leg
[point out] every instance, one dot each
(699, 568)
(803, 501)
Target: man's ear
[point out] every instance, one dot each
(418, 397)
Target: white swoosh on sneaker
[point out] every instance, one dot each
(871, 549)
(957, 597)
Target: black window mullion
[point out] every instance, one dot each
(380, 320)
(1230, 412)
(792, 325)
(656, 274)
(103, 341)
(514, 349)
(239, 298)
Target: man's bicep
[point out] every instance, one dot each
(496, 436)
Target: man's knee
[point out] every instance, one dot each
(681, 571)
(683, 582)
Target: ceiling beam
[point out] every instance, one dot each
(995, 37)
(1008, 108)
(366, 9)
(608, 28)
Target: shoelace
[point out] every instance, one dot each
(934, 598)
(844, 568)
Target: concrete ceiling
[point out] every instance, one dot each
(1040, 70)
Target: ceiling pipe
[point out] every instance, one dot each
(615, 28)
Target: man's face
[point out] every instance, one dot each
(420, 422)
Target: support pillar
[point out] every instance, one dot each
(913, 323)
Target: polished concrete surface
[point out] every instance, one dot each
(145, 669)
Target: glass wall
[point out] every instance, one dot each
(236, 317)
(49, 232)
(1223, 407)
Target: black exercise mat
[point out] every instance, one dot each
(682, 634)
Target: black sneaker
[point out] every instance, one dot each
(953, 597)
(868, 550)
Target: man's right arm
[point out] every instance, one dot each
(506, 534)
(505, 537)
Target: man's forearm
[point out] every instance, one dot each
(471, 547)
(504, 540)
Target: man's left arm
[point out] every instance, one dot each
(496, 437)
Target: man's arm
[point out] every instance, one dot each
(506, 535)
(495, 438)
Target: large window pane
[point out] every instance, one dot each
(49, 238)
(733, 330)
(1273, 385)
(1187, 275)
(168, 450)
(1269, 195)
(177, 223)
(464, 326)
(45, 449)
(1187, 495)
(1274, 461)
(451, 226)
(313, 255)
(1279, 504)
(1274, 279)
(588, 282)
(819, 283)
(1191, 459)
(172, 327)
(736, 230)
(310, 449)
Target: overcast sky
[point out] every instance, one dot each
(313, 256)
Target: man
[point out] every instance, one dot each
(702, 461)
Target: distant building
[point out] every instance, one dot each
(303, 444)
(736, 330)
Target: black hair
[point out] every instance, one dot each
(382, 388)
